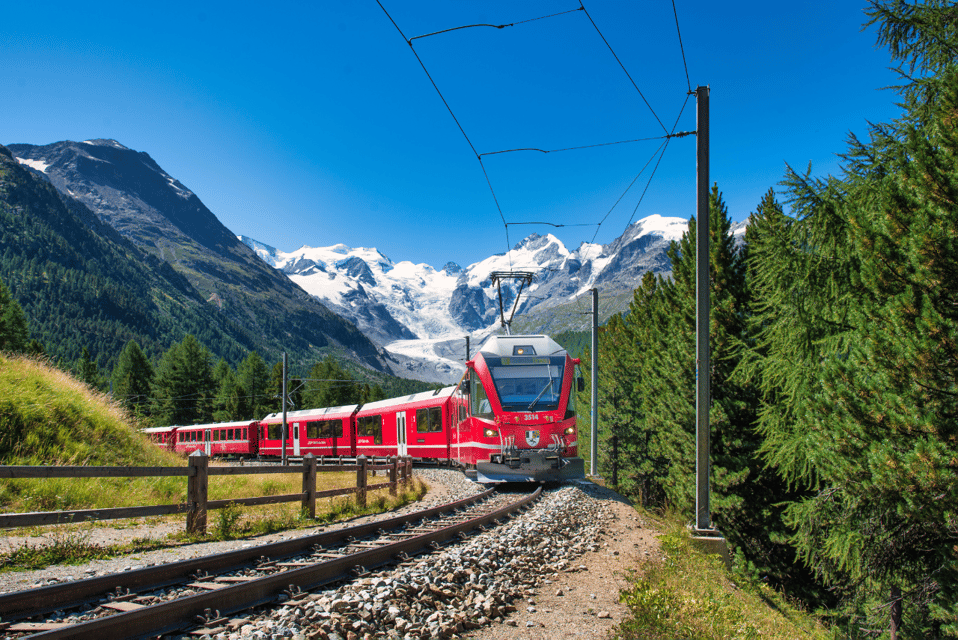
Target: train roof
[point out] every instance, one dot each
(212, 425)
(532, 345)
(311, 413)
(410, 399)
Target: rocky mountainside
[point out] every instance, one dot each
(128, 191)
(421, 314)
(83, 285)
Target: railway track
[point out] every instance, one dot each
(203, 592)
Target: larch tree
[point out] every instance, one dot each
(860, 339)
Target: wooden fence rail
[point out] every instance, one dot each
(197, 503)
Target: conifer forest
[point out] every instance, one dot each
(834, 368)
(834, 338)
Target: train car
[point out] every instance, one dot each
(161, 436)
(515, 413)
(238, 439)
(510, 419)
(427, 418)
(322, 432)
(416, 425)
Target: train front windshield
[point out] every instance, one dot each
(528, 384)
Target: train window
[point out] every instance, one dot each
(324, 429)
(275, 431)
(529, 384)
(429, 420)
(229, 434)
(480, 402)
(244, 433)
(570, 409)
(371, 426)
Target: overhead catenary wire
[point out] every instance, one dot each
(628, 75)
(659, 152)
(681, 47)
(495, 26)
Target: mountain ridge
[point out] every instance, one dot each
(128, 191)
(421, 315)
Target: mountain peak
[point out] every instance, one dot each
(105, 142)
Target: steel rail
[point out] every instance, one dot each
(65, 595)
(184, 613)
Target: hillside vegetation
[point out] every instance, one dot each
(833, 334)
(48, 417)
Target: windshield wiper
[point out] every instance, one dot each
(548, 384)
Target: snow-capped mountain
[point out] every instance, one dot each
(421, 315)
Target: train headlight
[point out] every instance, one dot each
(569, 431)
(489, 433)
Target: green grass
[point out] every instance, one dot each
(47, 417)
(689, 594)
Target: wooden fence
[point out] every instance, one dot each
(198, 503)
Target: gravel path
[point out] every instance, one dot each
(554, 572)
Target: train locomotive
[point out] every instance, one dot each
(511, 418)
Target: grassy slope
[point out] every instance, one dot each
(688, 594)
(47, 417)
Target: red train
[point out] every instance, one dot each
(510, 418)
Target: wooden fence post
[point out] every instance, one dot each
(393, 469)
(361, 482)
(309, 484)
(197, 491)
(408, 467)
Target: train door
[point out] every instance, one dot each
(295, 438)
(401, 446)
(208, 441)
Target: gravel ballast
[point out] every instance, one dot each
(552, 572)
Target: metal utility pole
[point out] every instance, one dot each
(702, 511)
(467, 349)
(594, 458)
(284, 408)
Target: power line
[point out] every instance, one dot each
(494, 26)
(587, 146)
(623, 66)
(456, 120)
(681, 47)
(660, 151)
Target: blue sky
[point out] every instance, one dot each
(313, 123)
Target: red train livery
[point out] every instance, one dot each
(510, 418)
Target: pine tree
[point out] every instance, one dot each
(330, 386)
(668, 370)
(14, 332)
(132, 379)
(88, 371)
(253, 376)
(228, 405)
(183, 387)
